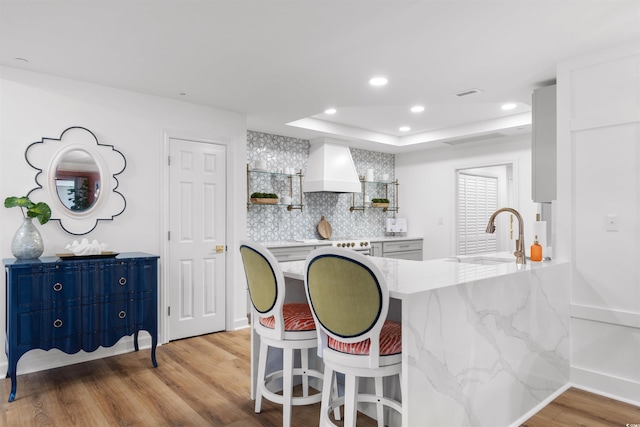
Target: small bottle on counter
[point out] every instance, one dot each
(536, 250)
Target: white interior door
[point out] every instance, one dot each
(197, 225)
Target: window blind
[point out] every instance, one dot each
(477, 200)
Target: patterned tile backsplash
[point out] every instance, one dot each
(276, 223)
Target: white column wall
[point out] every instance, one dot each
(33, 106)
(599, 175)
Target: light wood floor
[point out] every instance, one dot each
(204, 381)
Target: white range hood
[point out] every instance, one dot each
(330, 168)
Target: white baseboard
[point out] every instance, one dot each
(241, 323)
(540, 406)
(606, 385)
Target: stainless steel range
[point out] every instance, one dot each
(359, 245)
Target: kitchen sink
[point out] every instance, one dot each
(482, 260)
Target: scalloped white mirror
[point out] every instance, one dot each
(77, 178)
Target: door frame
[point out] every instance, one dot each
(163, 292)
(512, 190)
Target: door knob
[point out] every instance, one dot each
(219, 249)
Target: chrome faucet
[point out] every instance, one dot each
(491, 228)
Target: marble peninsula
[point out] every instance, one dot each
(485, 343)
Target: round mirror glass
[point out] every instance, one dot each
(78, 181)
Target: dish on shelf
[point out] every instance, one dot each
(72, 256)
(259, 170)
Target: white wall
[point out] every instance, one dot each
(599, 174)
(428, 188)
(33, 106)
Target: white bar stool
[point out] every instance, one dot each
(349, 300)
(289, 327)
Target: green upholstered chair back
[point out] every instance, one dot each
(262, 274)
(347, 294)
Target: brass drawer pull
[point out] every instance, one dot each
(122, 314)
(57, 286)
(57, 323)
(122, 281)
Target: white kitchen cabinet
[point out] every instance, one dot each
(376, 248)
(543, 146)
(291, 253)
(410, 249)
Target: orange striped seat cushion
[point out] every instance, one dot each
(297, 317)
(390, 341)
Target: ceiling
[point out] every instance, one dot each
(284, 62)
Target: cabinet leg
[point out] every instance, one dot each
(154, 344)
(14, 384)
(135, 341)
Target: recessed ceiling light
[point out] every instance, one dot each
(330, 111)
(404, 128)
(509, 106)
(417, 109)
(378, 81)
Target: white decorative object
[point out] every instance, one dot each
(285, 200)
(261, 165)
(370, 175)
(86, 248)
(396, 225)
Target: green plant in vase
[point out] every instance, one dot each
(27, 242)
(39, 210)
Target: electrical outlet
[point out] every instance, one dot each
(612, 222)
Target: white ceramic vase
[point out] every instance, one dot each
(27, 242)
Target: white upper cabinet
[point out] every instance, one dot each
(543, 147)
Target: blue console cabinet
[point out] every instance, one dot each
(79, 304)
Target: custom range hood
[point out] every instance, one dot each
(330, 168)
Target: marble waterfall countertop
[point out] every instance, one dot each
(484, 343)
(406, 278)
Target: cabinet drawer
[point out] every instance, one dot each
(111, 280)
(292, 253)
(53, 287)
(118, 315)
(404, 245)
(48, 325)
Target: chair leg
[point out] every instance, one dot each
(350, 398)
(304, 363)
(287, 386)
(379, 406)
(334, 391)
(262, 368)
(327, 391)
